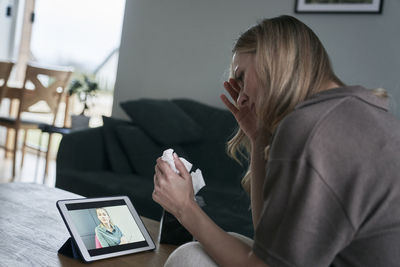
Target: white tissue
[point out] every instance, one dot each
(197, 180)
(168, 157)
(197, 176)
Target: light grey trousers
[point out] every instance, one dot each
(193, 254)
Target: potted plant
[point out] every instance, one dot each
(85, 91)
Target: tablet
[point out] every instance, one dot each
(104, 227)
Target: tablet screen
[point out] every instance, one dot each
(105, 227)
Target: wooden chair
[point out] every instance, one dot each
(5, 70)
(50, 93)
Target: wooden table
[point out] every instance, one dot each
(32, 230)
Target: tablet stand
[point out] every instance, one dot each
(69, 249)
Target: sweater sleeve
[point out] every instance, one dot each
(302, 222)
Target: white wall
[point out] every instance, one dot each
(181, 48)
(8, 28)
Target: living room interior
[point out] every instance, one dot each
(172, 60)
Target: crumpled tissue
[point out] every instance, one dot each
(197, 176)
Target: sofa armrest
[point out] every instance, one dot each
(82, 150)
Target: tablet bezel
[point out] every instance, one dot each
(62, 207)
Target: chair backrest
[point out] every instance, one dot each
(49, 86)
(5, 70)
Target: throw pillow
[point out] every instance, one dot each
(163, 120)
(117, 157)
(142, 151)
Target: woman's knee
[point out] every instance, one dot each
(193, 254)
(188, 254)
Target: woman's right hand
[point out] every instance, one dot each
(173, 191)
(245, 116)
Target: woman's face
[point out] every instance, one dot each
(245, 74)
(103, 216)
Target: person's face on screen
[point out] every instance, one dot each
(103, 216)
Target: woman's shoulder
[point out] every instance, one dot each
(338, 116)
(293, 132)
(323, 115)
(98, 228)
(117, 228)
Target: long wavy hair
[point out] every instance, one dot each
(291, 64)
(111, 222)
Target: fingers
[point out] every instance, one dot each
(163, 171)
(180, 166)
(234, 93)
(163, 167)
(235, 86)
(229, 105)
(154, 195)
(159, 180)
(156, 180)
(160, 171)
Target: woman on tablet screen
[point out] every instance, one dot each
(107, 233)
(324, 162)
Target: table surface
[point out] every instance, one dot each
(32, 231)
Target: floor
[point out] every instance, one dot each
(31, 172)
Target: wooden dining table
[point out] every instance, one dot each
(32, 231)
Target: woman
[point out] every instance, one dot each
(107, 233)
(329, 193)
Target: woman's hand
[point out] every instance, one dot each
(245, 116)
(173, 191)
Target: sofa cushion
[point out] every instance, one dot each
(89, 145)
(163, 120)
(210, 154)
(116, 155)
(141, 150)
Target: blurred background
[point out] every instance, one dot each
(84, 35)
(180, 48)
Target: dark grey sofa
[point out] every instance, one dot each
(119, 157)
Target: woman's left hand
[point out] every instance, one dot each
(173, 191)
(244, 115)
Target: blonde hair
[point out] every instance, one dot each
(111, 222)
(291, 65)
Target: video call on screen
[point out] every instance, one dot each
(106, 226)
